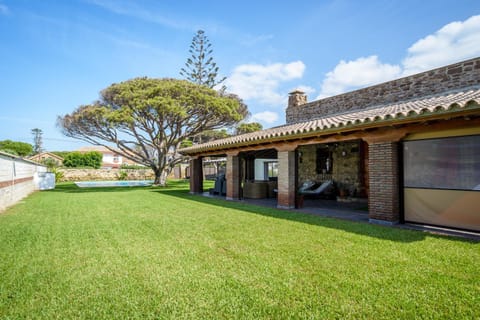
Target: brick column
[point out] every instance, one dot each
(286, 179)
(233, 177)
(384, 197)
(196, 175)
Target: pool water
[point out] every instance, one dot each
(121, 183)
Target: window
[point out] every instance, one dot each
(271, 170)
(447, 163)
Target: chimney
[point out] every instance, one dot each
(296, 98)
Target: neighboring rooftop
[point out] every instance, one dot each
(100, 149)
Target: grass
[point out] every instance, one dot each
(150, 253)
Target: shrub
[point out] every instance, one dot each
(58, 174)
(91, 159)
(133, 166)
(50, 163)
(73, 160)
(122, 175)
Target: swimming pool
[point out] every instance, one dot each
(121, 183)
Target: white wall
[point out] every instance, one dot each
(108, 160)
(260, 168)
(16, 179)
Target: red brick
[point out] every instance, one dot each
(384, 182)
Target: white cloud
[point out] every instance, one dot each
(455, 41)
(261, 82)
(357, 73)
(265, 116)
(4, 9)
(306, 89)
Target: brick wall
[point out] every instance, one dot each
(383, 201)
(286, 179)
(450, 78)
(232, 176)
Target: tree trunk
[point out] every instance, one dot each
(161, 177)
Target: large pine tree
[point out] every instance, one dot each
(200, 67)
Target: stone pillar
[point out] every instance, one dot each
(196, 175)
(286, 179)
(296, 99)
(232, 176)
(384, 197)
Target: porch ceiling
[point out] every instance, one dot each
(447, 105)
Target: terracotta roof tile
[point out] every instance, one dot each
(378, 115)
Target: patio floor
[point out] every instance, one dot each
(354, 211)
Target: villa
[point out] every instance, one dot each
(110, 159)
(409, 147)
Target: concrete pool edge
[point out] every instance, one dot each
(113, 183)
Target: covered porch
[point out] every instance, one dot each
(273, 174)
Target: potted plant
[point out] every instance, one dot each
(342, 191)
(299, 200)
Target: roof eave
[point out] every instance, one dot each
(365, 125)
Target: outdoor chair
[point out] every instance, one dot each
(325, 189)
(307, 185)
(220, 184)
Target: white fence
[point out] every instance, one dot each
(18, 178)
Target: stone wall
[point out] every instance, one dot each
(307, 166)
(345, 165)
(72, 174)
(450, 78)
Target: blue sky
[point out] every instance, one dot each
(57, 55)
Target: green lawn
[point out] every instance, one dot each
(141, 253)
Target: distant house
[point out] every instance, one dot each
(44, 157)
(110, 159)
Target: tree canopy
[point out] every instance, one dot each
(248, 127)
(200, 67)
(21, 149)
(210, 135)
(148, 119)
